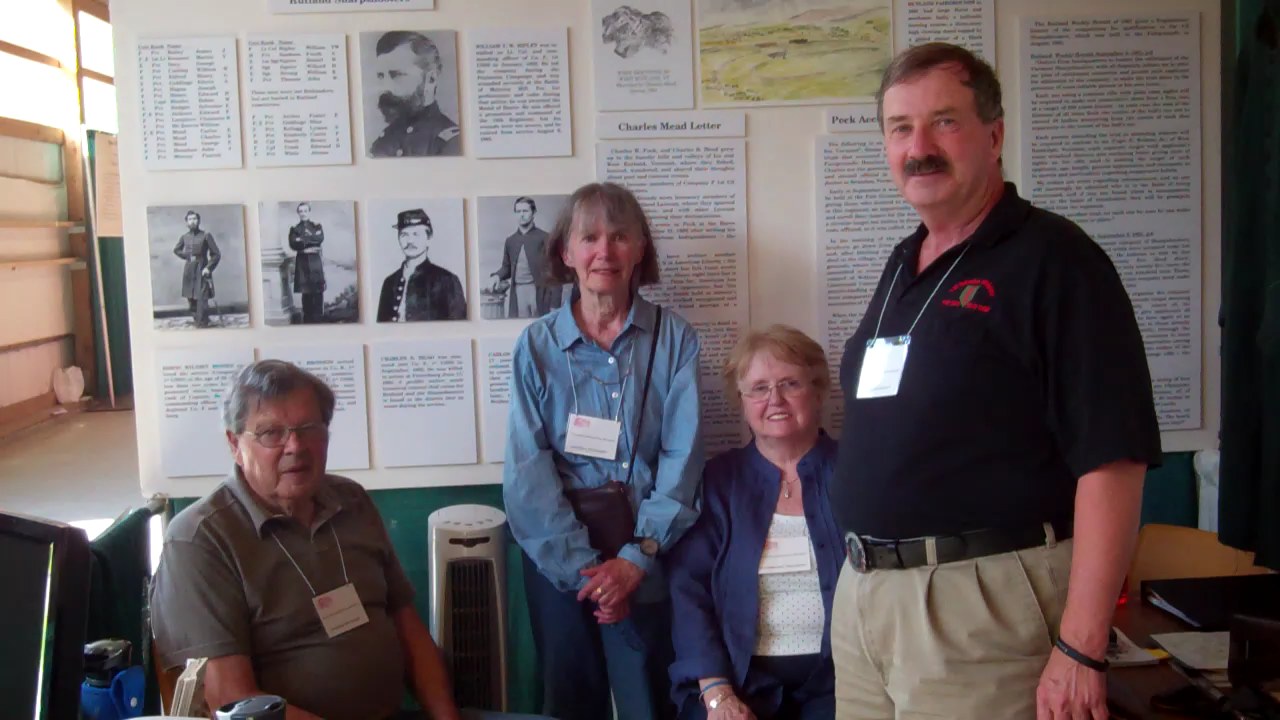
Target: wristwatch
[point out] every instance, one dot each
(648, 546)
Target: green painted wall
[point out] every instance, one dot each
(1170, 494)
(115, 297)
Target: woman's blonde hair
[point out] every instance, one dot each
(784, 343)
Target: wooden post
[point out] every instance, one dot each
(73, 174)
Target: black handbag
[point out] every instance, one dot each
(606, 510)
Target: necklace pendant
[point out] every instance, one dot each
(786, 493)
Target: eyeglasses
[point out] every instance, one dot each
(275, 437)
(786, 388)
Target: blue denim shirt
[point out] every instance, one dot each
(713, 571)
(550, 354)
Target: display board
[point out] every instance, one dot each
(316, 143)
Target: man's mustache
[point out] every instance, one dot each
(924, 165)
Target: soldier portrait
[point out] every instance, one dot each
(307, 240)
(309, 270)
(513, 235)
(418, 248)
(410, 96)
(197, 266)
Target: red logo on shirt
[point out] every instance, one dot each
(969, 294)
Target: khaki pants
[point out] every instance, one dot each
(962, 640)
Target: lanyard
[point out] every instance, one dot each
(346, 580)
(894, 281)
(622, 392)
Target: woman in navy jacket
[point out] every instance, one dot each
(752, 581)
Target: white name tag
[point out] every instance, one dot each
(340, 610)
(784, 555)
(592, 436)
(882, 366)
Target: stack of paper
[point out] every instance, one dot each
(1197, 650)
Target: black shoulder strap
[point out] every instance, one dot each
(644, 394)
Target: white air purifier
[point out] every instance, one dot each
(469, 601)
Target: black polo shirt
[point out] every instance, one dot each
(1026, 371)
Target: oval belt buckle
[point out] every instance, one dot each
(857, 553)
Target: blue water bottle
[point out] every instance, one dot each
(112, 689)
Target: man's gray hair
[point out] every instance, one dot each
(268, 380)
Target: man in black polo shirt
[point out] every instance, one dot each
(999, 421)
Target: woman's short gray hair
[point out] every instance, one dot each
(268, 380)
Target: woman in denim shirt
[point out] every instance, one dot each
(602, 626)
(752, 582)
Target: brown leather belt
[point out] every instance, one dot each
(867, 554)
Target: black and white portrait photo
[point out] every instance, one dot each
(513, 266)
(419, 259)
(309, 272)
(629, 31)
(410, 93)
(197, 266)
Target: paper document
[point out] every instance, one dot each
(1197, 650)
(520, 98)
(299, 111)
(189, 103)
(1087, 87)
(1126, 653)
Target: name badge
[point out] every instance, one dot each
(784, 555)
(340, 610)
(882, 366)
(592, 436)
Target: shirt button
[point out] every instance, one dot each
(822, 546)
(625, 464)
(615, 395)
(409, 130)
(610, 361)
(399, 152)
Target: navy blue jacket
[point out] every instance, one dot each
(713, 570)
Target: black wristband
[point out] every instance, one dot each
(1097, 665)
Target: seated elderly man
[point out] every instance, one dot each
(284, 576)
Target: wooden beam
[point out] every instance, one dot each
(32, 55)
(95, 75)
(41, 225)
(22, 415)
(13, 265)
(73, 170)
(82, 327)
(23, 130)
(95, 8)
(34, 343)
(78, 243)
(73, 176)
(24, 178)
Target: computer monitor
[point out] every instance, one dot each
(44, 607)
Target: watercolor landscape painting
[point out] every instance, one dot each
(784, 52)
